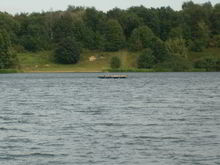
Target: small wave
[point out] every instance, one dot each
(42, 154)
(160, 138)
(27, 113)
(57, 162)
(9, 147)
(182, 119)
(21, 140)
(6, 158)
(123, 124)
(7, 118)
(3, 129)
(11, 129)
(31, 155)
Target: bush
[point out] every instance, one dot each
(208, 63)
(177, 47)
(197, 45)
(215, 41)
(146, 59)
(115, 62)
(174, 64)
(159, 49)
(67, 51)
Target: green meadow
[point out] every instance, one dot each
(43, 61)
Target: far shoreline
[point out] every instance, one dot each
(13, 71)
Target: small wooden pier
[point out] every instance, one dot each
(113, 76)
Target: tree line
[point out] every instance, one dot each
(159, 33)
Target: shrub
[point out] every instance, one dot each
(159, 49)
(174, 64)
(208, 63)
(146, 59)
(115, 62)
(176, 47)
(197, 45)
(67, 51)
(215, 41)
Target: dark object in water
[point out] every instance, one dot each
(113, 76)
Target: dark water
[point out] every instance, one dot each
(149, 118)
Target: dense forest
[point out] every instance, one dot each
(162, 36)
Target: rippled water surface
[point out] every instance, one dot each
(76, 118)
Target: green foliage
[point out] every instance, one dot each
(128, 20)
(8, 23)
(159, 49)
(168, 19)
(4, 41)
(197, 45)
(128, 70)
(176, 47)
(146, 59)
(176, 32)
(72, 8)
(215, 19)
(202, 35)
(150, 18)
(94, 19)
(83, 35)
(208, 63)
(7, 57)
(42, 61)
(30, 43)
(174, 64)
(215, 41)
(114, 36)
(67, 51)
(8, 71)
(141, 38)
(115, 62)
(63, 27)
(197, 21)
(163, 30)
(8, 60)
(33, 34)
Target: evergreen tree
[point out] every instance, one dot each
(7, 58)
(114, 36)
(67, 51)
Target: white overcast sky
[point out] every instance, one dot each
(17, 6)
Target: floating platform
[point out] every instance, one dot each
(113, 76)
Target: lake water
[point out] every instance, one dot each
(76, 118)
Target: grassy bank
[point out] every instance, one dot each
(211, 52)
(8, 71)
(43, 62)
